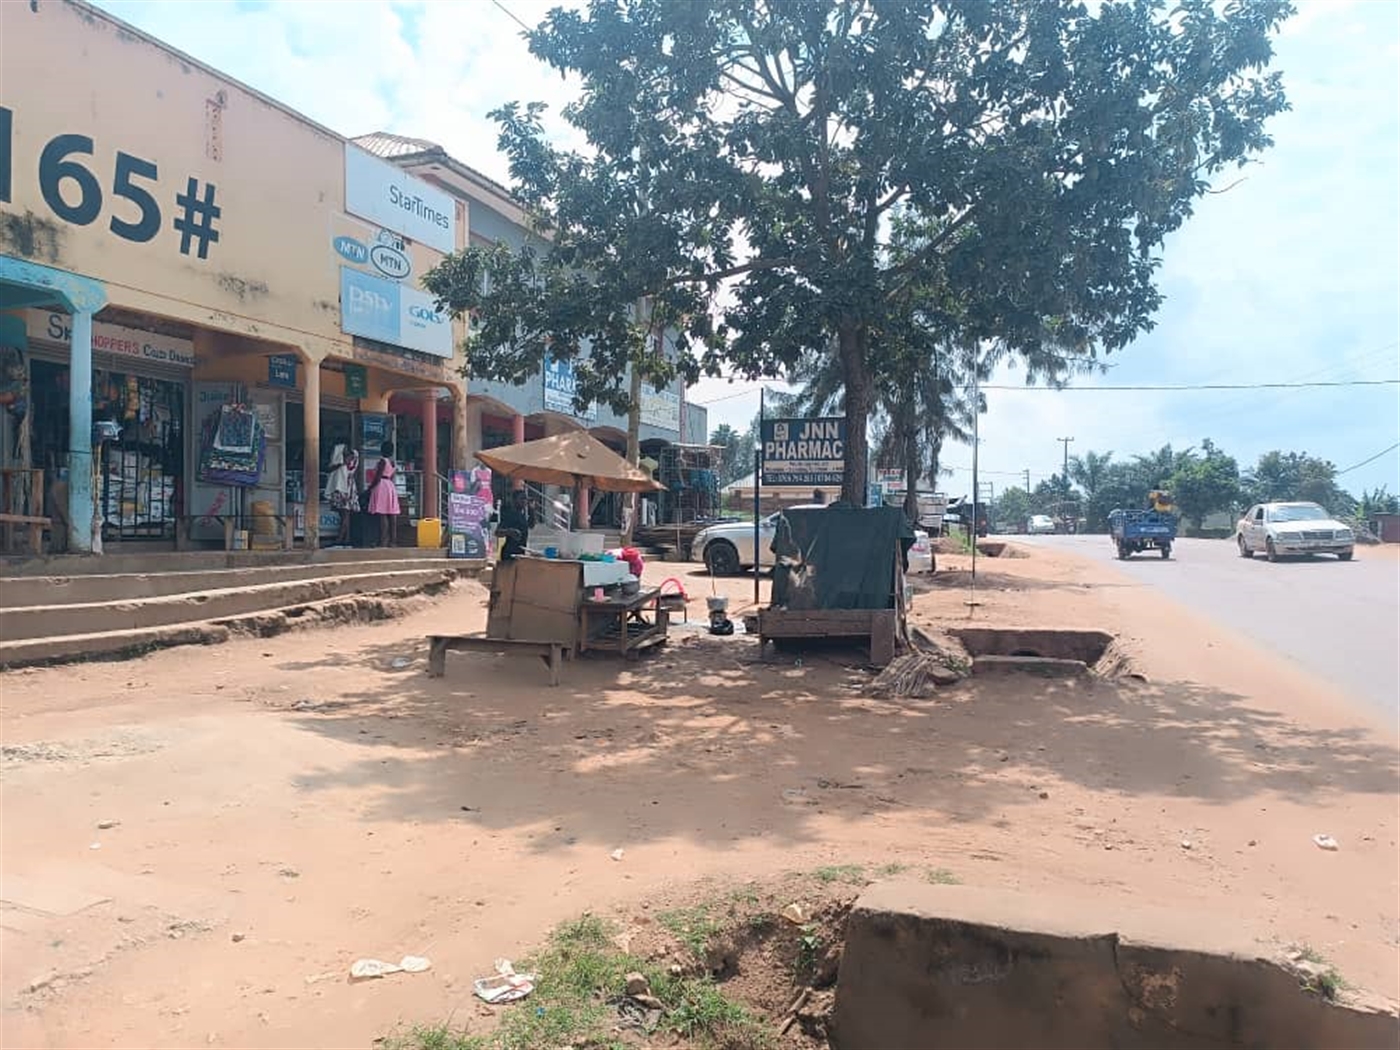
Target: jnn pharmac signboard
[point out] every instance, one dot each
(803, 451)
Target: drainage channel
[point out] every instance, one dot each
(1044, 652)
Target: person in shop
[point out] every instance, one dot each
(384, 495)
(340, 490)
(517, 518)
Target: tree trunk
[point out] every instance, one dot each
(851, 345)
(634, 448)
(911, 468)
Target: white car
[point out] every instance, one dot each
(1040, 525)
(727, 548)
(1280, 529)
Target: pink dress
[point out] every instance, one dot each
(384, 497)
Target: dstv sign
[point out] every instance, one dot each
(393, 313)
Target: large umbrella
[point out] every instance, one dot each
(567, 459)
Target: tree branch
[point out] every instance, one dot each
(931, 248)
(732, 271)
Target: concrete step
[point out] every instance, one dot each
(124, 644)
(158, 562)
(101, 617)
(106, 645)
(19, 592)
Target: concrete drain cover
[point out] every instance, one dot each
(1057, 653)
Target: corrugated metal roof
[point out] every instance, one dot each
(391, 147)
(383, 144)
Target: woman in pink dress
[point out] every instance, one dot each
(383, 495)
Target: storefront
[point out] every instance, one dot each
(140, 409)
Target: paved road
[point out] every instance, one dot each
(1339, 621)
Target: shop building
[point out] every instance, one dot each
(502, 414)
(202, 292)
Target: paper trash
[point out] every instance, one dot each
(364, 969)
(506, 986)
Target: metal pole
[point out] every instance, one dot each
(757, 505)
(976, 444)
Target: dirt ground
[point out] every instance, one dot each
(284, 806)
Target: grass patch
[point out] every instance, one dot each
(853, 874)
(942, 877)
(894, 868)
(745, 894)
(695, 927)
(809, 947)
(1321, 978)
(580, 969)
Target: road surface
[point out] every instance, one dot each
(1337, 620)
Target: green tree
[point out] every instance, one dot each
(1042, 153)
(735, 453)
(1013, 508)
(1297, 476)
(1205, 483)
(1091, 472)
(1376, 501)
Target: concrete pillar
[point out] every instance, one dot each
(311, 460)
(80, 505)
(517, 435)
(466, 431)
(431, 502)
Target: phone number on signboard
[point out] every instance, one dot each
(785, 478)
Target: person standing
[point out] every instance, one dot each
(516, 521)
(384, 495)
(340, 490)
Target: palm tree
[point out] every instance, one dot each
(1090, 472)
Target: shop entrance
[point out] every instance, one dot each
(139, 485)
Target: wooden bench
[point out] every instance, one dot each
(552, 653)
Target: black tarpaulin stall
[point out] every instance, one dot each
(840, 574)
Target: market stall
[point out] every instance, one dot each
(839, 574)
(564, 593)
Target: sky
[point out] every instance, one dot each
(1293, 275)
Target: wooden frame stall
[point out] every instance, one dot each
(539, 607)
(846, 580)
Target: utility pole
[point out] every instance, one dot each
(1028, 481)
(1064, 477)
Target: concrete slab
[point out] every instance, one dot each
(1037, 665)
(929, 966)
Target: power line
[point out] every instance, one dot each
(726, 397)
(1202, 386)
(513, 16)
(1371, 459)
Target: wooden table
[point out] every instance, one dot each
(625, 628)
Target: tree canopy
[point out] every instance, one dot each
(748, 160)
